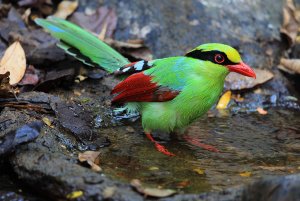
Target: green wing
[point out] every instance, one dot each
(83, 45)
(172, 72)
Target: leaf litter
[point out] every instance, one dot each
(66, 8)
(92, 158)
(14, 61)
(154, 192)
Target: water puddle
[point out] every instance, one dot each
(251, 146)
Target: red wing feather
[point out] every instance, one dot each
(139, 88)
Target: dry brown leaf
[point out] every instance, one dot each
(224, 100)
(154, 192)
(132, 48)
(31, 76)
(95, 22)
(48, 122)
(153, 168)
(236, 81)
(108, 192)
(245, 174)
(183, 184)
(14, 61)
(290, 65)
(92, 158)
(66, 8)
(74, 195)
(290, 24)
(6, 90)
(274, 168)
(102, 33)
(237, 97)
(121, 44)
(26, 15)
(199, 171)
(261, 111)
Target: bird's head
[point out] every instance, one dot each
(223, 55)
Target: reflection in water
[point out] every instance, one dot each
(251, 146)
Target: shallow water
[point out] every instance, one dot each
(251, 146)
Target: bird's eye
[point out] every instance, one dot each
(219, 58)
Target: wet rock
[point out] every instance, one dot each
(233, 194)
(272, 189)
(72, 117)
(75, 119)
(45, 167)
(47, 164)
(9, 195)
(26, 133)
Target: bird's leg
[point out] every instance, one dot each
(158, 146)
(198, 143)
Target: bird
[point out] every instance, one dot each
(169, 93)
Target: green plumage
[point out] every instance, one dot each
(199, 76)
(200, 83)
(83, 45)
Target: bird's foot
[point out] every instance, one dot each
(163, 149)
(198, 143)
(159, 147)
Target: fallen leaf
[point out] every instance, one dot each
(237, 97)
(102, 34)
(14, 61)
(54, 76)
(199, 171)
(26, 15)
(4, 9)
(183, 184)
(77, 93)
(74, 195)
(224, 100)
(236, 81)
(291, 66)
(48, 122)
(152, 168)
(154, 192)
(108, 192)
(15, 17)
(132, 48)
(44, 6)
(92, 158)
(80, 78)
(66, 8)
(97, 21)
(134, 44)
(245, 174)
(258, 91)
(261, 111)
(290, 25)
(129, 129)
(6, 90)
(31, 76)
(274, 168)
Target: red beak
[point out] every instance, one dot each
(242, 69)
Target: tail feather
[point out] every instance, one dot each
(83, 45)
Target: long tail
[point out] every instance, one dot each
(83, 45)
